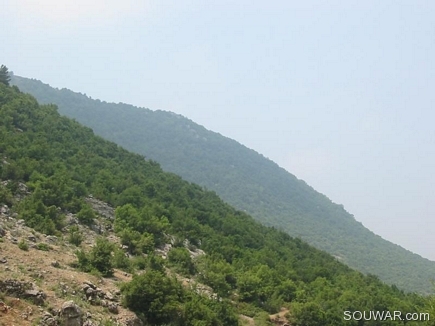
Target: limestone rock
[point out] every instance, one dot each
(51, 238)
(134, 321)
(55, 264)
(109, 296)
(14, 288)
(48, 320)
(70, 314)
(102, 208)
(31, 238)
(89, 284)
(36, 296)
(113, 308)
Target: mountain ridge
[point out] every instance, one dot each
(245, 179)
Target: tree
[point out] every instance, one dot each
(181, 260)
(4, 75)
(155, 296)
(308, 314)
(86, 215)
(101, 256)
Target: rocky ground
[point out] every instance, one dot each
(39, 287)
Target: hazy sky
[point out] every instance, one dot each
(340, 93)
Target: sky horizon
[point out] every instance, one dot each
(337, 93)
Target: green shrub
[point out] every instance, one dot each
(83, 261)
(101, 256)
(23, 245)
(181, 260)
(155, 295)
(75, 236)
(86, 215)
(139, 262)
(98, 259)
(43, 246)
(6, 197)
(121, 261)
(136, 242)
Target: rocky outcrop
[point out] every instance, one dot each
(98, 297)
(4, 210)
(15, 288)
(21, 190)
(134, 321)
(101, 208)
(36, 296)
(48, 320)
(24, 290)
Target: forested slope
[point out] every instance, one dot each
(243, 178)
(252, 269)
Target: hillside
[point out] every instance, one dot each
(243, 178)
(37, 280)
(193, 259)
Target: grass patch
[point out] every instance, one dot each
(23, 245)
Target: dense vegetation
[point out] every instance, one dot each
(252, 269)
(245, 179)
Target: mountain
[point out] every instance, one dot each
(243, 178)
(188, 257)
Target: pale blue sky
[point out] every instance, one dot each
(340, 93)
